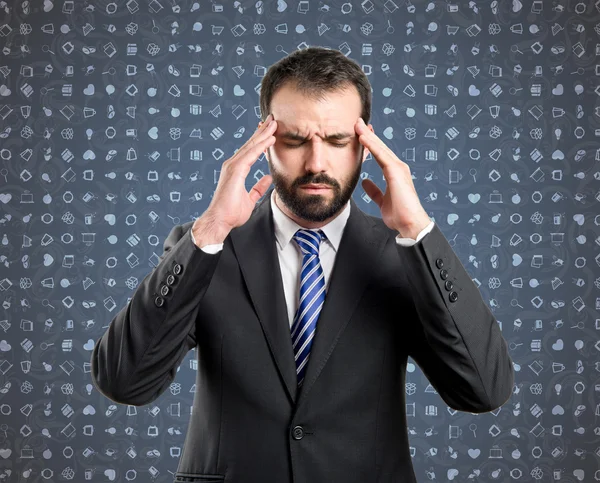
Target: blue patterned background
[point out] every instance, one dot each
(116, 117)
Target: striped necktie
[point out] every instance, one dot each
(312, 297)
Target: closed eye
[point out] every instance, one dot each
(292, 146)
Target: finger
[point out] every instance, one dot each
(260, 188)
(256, 143)
(376, 146)
(373, 191)
(252, 153)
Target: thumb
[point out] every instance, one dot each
(260, 188)
(373, 191)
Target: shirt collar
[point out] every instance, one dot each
(286, 228)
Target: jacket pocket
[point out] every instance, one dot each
(197, 477)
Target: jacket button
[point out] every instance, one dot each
(453, 296)
(170, 280)
(298, 432)
(449, 285)
(443, 274)
(164, 290)
(439, 263)
(159, 301)
(177, 269)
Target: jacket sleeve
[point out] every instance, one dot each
(137, 357)
(452, 335)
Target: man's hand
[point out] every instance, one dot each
(400, 207)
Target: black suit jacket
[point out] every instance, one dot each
(347, 424)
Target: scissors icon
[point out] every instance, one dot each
(279, 48)
(46, 48)
(46, 303)
(175, 219)
(155, 28)
(4, 172)
(514, 90)
(110, 71)
(515, 49)
(515, 303)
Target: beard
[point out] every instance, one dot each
(310, 206)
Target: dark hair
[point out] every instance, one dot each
(314, 71)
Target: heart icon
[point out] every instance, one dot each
(153, 132)
(558, 90)
(89, 90)
(452, 472)
(89, 345)
(517, 259)
(473, 91)
(5, 197)
(89, 410)
(558, 409)
(89, 154)
(474, 453)
(474, 197)
(48, 5)
(558, 345)
(452, 217)
(516, 6)
(5, 452)
(579, 219)
(238, 91)
(4, 91)
(558, 154)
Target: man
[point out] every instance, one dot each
(304, 309)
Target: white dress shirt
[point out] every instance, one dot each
(290, 255)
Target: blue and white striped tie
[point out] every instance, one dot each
(312, 297)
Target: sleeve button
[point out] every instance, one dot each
(439, 263)
(453, 296)
(443, 274)
(159, 301)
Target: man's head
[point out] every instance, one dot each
(313, 94)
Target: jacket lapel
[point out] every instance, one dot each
(255, 248)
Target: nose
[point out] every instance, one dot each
(316, 157)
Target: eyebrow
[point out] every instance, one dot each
(295, 136)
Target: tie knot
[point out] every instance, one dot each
(309, 240)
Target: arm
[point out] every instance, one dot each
(455, 339)
(137, 357)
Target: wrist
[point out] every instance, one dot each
(207, 231)
(413, 229)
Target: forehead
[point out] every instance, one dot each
(335, 112)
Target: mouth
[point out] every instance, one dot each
(315, 188)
